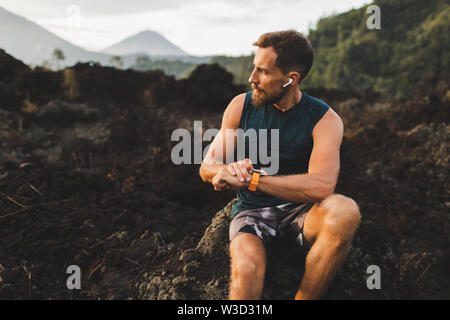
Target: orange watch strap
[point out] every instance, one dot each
(254, 181)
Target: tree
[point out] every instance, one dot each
(58, 55)
(143, 60)
(116, 61)
(46, 64)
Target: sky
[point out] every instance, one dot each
(199, 27)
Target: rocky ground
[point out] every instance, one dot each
(395, 164)
(86, 178)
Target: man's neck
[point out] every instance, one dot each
(290, 99)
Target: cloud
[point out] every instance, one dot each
(54, 8)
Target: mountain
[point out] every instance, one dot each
(146, 42)
(32, 44)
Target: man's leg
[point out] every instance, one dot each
(329, 228)
(248, 267)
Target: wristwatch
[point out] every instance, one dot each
(255, 179)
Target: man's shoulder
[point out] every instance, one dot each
(325, 116)
(239, 99)
(330, 122)
(317, 102)
(232, 114)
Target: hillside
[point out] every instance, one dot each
(412, 41)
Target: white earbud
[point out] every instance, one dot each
(288, 83)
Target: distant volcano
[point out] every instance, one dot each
(145, 42)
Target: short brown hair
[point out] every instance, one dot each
(294, 51)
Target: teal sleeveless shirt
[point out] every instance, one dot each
(295, 142)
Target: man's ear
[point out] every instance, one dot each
(295, 76)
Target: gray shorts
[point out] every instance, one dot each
(270, 223)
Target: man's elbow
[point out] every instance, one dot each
(201, 172)
(324, 188)
(327, 189)
(204, 172)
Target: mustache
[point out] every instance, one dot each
(255, 88)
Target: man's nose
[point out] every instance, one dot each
(253, 78)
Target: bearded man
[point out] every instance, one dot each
(297, 202)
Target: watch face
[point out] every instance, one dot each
(260, 171)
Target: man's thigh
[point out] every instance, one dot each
(312, 225)
(315, 218)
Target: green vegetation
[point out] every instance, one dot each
(176, 68)
(412, 41)
(241, 67)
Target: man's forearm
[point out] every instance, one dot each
(296, 188)
(208, 171)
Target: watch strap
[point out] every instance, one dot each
(255, 179)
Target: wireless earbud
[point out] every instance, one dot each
(288, 83)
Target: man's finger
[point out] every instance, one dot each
(245, 171)
(217, 180)
(248, 164)
(238, 171)
(231, 170)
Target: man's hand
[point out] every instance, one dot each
(218, 180)
(234, 176)
(234, 183)
(242, 170)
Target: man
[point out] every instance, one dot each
(297, 202)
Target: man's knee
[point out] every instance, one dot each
(247, 257)
(245, 268)
(342, 215)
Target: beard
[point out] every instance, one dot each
(262, 98)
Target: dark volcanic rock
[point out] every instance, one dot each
(210, 257)
(11, 74)
(10, 67)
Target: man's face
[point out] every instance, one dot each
(266, 79)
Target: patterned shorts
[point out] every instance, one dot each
(270, 223)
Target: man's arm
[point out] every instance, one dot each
(215, 159)
(323, 171)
